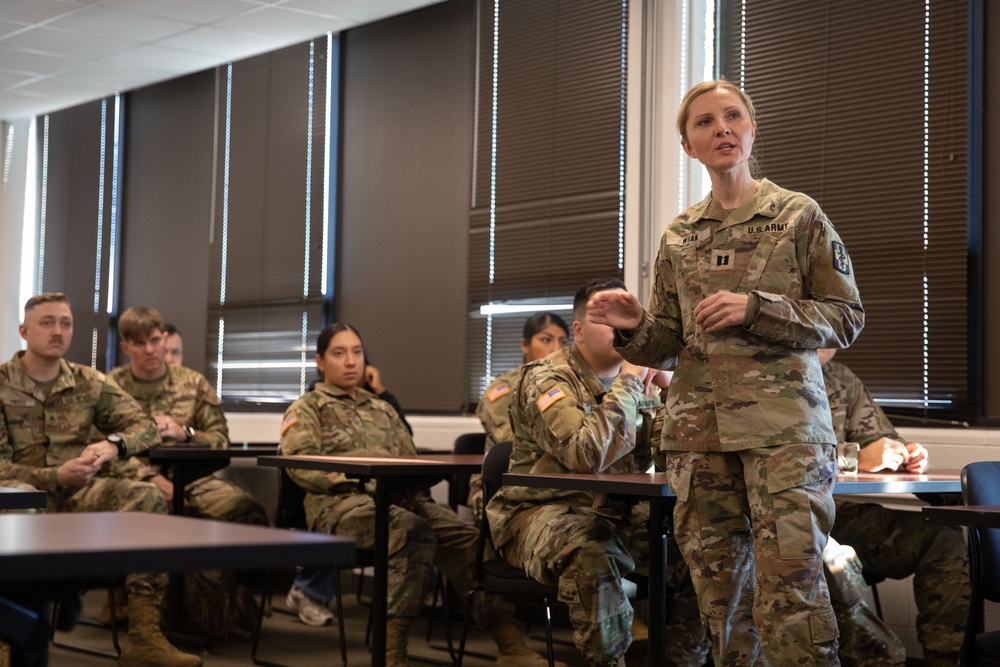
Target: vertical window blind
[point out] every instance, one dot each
(267, 260)
(874, 127)
(547, 201)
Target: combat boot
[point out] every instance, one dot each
(121, 612)
(145, 645)
(513, 651)
(397, 636)
(932, 659)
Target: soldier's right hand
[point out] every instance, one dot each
(883, 454)
(615, 308)
(77, 472)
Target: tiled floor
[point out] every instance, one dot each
(287, 641)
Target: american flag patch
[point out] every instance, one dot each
(290, 420)
(549, 397)
(498, 391)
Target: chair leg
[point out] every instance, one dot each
(83, 649)
(878, 603)
(548, 631)
(340, 618)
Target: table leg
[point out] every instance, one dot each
(380, 587)
(659, 528)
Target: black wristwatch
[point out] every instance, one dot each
(190, 433)
(116, 440)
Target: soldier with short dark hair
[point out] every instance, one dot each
(579, 409)
(49, 407)
(187, 410)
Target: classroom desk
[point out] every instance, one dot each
(655, 488)
(186, 463)
(975, 516)
(37, 549)
(21, 499)
(384, 471)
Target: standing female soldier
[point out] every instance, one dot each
(749, 283)
(340, 417)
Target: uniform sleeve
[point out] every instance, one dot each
(301, 435)
(493, 412)
(210, 427)
(43, 478)
(117, 412)
(831, 315)
(132, 468)
(866, 422)
(582, 438)
(659, 339)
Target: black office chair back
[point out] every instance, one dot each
(495, 464)
(981, 486)
(291, 502)
(458, 487)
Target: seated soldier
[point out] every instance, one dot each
(49, 407)
(578, 410)
(187, 410)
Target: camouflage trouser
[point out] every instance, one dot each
(865, 639)
(752, 526)
(215, 605)
(431, 535)
(587, 556)
(110, 494)
(895, 544)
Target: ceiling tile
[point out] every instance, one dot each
(116, 78)
(30, 62)
(103, 21)
(282, 23)
(79, 46)
(201, 12)
(37, 11)
(221, 43)
(160, 59)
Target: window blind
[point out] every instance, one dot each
(547, 204)
(874, 127)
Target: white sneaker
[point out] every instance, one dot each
(310, 612)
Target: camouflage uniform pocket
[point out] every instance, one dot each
(799, 480)
(680, 469)
(823, 626)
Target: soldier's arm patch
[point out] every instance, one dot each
(546, 400)
(841, 260)
(290, 420)
(498, 391)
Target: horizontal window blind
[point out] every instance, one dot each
(547, 199)
(874, 129)
(266, 262)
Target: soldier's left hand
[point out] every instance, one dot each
(169, 428)
(916, 461)
(720, 310)
(99, 453)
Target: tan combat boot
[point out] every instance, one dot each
(397, 636)
(513, 651)
(145, 645)
(121, 612)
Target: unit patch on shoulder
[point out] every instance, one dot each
(290, 420)
(498, 391)
(546, 400)
(841, 260)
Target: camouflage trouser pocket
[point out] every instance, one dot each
(799, 481)
(823, 626)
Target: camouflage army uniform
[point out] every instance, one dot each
(892, 544)
(748, 433)
(38, 434)
(215, 605)
(422, 533)
(492, 412)
(565, 420)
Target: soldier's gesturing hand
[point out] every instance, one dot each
(169, 428)
(720, 310)
(615, 308)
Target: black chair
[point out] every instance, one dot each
(981, 486)
(492, 575)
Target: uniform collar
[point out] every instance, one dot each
(20, 380)
(585, 372)
(362, 395)
(766, 202)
